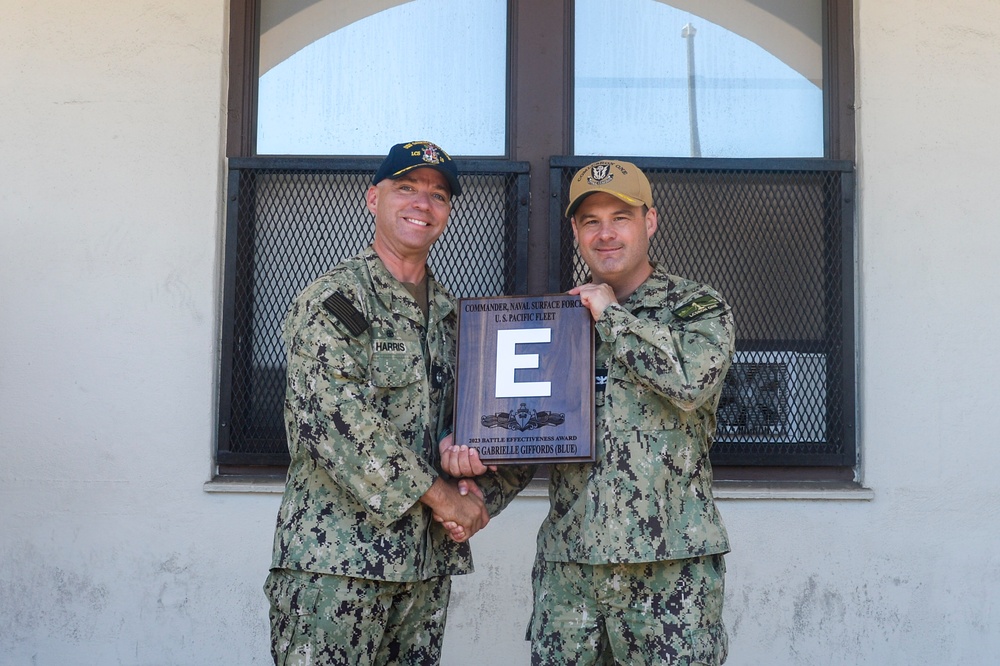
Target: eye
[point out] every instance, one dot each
(441, 198)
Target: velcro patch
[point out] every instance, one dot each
(389, 347)
(697, 307)
(345, 312)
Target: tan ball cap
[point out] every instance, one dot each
(620, 179)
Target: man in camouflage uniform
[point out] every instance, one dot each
(369, 531)
(629, 567)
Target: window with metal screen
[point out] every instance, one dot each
(776, 238)
(763, 231)
(291, 220)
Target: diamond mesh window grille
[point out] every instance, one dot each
(291, 220)
(776, 238)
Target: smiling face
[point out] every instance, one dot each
(614, 241)
(411, 212)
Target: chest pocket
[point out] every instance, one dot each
(396, 363)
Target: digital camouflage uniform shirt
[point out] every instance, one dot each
(648, 497)
(369, 392)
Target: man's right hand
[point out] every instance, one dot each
(462, 514)
(595, 297)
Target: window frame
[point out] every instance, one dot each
(834, 456)
(547, 26)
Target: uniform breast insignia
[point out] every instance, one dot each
(697, 307)
(600, 379)
(340, 307)
(438, 376)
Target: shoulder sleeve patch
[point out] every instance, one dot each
(345, 312)
(697, 307)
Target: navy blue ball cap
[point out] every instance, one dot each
(405, 157)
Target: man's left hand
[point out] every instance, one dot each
(461, 461)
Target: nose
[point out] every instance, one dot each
(422, 200)
(606, 231)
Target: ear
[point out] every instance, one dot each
(371, 198)
(572, 223)
(651, 222)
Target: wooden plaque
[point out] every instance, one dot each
(525, 387)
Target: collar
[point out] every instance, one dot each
(395, 298)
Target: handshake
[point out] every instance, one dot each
(458, 504)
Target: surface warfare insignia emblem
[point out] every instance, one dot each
(600, 174)
(522, 419)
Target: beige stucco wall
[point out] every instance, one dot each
(111, 207)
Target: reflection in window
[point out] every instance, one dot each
(353, 77)
(739, 78)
